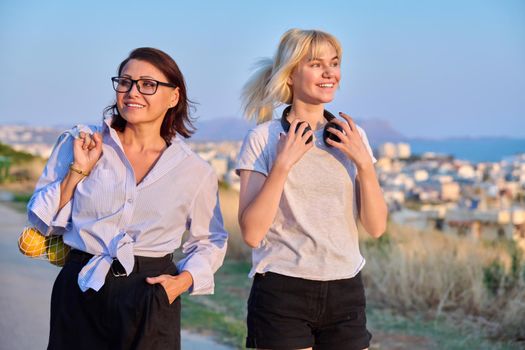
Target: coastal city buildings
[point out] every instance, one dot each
(482, 200)
(428, 191)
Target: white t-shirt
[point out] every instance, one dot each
(314, 233)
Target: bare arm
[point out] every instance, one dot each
(370, 201)
(258, 203)
(260, 195)
(67, 187)
(87, 151)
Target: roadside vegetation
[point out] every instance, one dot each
(477, 286)
(19, 171)
(425, 290)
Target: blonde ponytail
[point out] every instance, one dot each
(254, 93)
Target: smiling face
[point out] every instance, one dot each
(137, 108)
(315, 79)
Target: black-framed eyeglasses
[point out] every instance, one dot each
(145, 86)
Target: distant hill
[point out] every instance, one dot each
(221, 129)
(216, 129)
(380, 131)
(232, 129)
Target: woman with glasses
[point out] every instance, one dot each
(306, 179)
(122, 195)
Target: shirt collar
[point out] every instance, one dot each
(176, 152)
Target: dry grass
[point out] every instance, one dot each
(237, 249)
(435, 273)
(28, 171)
(24, 176)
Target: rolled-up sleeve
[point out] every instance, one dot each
(42, 209)
(206, 244)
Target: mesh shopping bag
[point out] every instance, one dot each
(35, 245)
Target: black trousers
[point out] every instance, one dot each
(126, 313)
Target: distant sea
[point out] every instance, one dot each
(485, 149)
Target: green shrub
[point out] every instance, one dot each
(493, 276)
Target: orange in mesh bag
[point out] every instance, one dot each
(35, 245)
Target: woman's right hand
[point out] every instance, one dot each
(293, 146)
(87, 150)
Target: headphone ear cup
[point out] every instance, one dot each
(310, 139)
(328, 135)
(286, 124)
(284, 121)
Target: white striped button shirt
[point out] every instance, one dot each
(110, 216)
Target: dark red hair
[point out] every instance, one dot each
(177, 119)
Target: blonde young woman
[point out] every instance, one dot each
(305, 181)
(122, 194)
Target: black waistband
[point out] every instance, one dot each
(142, 263)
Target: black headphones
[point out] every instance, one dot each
(326, 134)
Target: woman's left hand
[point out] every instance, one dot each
(351, 143)
(173, 285)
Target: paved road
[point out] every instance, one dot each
(25, 292)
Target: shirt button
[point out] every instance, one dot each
(130, 201)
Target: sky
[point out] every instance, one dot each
(430, 68)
